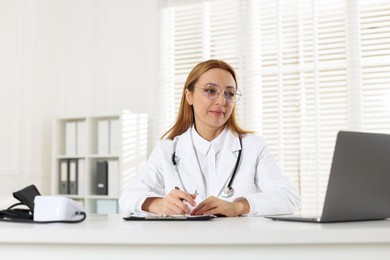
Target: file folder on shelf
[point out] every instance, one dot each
(103, 137)
(81, 177)
(113, 176)
(101, 178)
(115, 138)
(73, 178)
(81, 143)
(70, 138)
(64, 188)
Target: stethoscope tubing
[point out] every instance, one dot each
(229, 186)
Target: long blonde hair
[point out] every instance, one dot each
(185, 117)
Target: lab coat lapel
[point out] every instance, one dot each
(227, 162)
(189, 168)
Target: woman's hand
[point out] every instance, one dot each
(174, 203)
(213, 205)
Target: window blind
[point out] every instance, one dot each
(307, 69)
(375, 65)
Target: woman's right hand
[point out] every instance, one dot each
(174, 203)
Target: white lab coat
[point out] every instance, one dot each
(258, 178)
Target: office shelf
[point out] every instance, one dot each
(120, 140)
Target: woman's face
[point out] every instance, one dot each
(211, 115)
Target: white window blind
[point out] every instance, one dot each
(375, 65)
(307, 69)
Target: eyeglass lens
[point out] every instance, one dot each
(212, 91)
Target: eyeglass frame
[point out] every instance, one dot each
(237, 94)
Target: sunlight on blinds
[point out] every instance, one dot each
(135, 145)
(306, 68)
(375, 55)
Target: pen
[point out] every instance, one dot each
(177, 188)
(195, 192)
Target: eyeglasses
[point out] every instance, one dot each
(212, 92)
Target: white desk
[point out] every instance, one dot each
(109, 237)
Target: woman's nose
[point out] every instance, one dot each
(221, 98)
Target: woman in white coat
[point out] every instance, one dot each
(206, 163)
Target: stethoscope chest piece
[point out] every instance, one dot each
(227, 192)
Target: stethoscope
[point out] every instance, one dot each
(226, 192)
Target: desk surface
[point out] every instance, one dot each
(112, 230)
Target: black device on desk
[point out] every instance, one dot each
(359, 181)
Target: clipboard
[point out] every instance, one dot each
(169, 218)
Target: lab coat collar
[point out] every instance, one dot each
(203, 146)
(187, 159)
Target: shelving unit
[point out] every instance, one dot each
(120, 140)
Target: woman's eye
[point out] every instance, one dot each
(210, 91)
(229, 94)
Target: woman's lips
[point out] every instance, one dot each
(218, 112)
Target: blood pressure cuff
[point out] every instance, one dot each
(48, 209)
(25, 213)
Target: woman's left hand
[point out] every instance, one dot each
(215, 206)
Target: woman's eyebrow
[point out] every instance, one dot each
(215, 84)
(212, 83)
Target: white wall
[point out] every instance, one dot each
(67, 58)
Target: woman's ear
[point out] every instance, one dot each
(188, 96)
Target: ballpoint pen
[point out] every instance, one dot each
(177, 188)
(195, 192)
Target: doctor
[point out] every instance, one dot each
(208, 164)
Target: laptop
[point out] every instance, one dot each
(359, 181)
